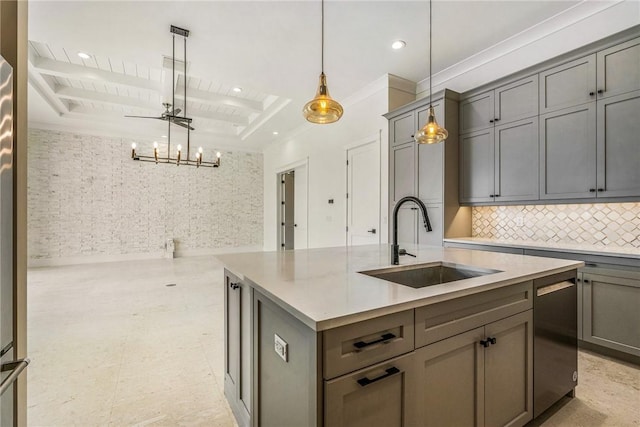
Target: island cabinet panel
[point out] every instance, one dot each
(362, 344)
(379, 396)
(288, 390)
(438, 321)
(610, 314)
(482, 377)
(237, 357)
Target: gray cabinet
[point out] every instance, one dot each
(484, 376)
(619, 69)
(500, 164)
(568, 153)
(402, 129)
(569, 84)
(237, 357)
(610, 314)
(511, 102)
(618, 151)
(378, 396)
(430, 160)
(402, 170)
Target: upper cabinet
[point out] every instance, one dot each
(569, 132)
(511, 102)
(619, 69)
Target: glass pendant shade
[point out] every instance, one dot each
(432, 132)
(322, 109)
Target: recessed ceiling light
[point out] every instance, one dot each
(84, 55)
(237, 89)
(275, 132)
(398, 44)
(163, 136)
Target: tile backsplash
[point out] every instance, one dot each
(611, 224)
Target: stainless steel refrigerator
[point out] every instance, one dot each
(10, 368)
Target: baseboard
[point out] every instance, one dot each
(100, 258)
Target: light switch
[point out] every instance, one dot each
(280, 347)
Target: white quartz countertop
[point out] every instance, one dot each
(579, 248)
(324, 289)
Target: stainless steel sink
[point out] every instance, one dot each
(422, 275)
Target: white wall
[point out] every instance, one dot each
(325, 148)
(88, 201)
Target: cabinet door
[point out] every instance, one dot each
(477, 168)
(379, 396)
(237, 382)
(508, 370)
(477, 112)
(402, 171)
(618, 149)
(516, 161)
(619, 69)
(401, 128)
(569, 84)
(516, 101)
(568, 153)
(610, 312)
(430, 160)
(450, 376)
(435, 236)
(407, 225)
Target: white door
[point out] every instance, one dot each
(300, 207)
(363, 194)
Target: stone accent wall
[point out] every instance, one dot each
(612, 224)
(87, 197)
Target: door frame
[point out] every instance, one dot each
(373, 138)
(279, 195)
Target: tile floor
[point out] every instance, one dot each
(111, 344)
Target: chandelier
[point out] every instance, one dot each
(172, 116)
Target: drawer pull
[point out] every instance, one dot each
(366, 381)
(385, 337)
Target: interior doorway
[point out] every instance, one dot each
(293, 207)
(363, 194)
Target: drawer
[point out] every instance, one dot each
(445, 319)
(362, 344)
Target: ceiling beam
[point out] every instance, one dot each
(93, 75)
(67, 92)
(221, 100)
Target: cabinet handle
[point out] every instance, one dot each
(600, 189)
(591, 93)
(491, 121)
(592, 190)
(412, 136)
(585, 280)
(366, 381)
(497, 195)
(489, 341)
(385, 337)
(497, 119)
(491, 195)
(372, 231)
(234, 286)
(600, 91)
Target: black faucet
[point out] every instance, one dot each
(395, 249)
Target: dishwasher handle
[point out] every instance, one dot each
(544, 290)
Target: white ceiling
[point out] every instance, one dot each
(270, 49)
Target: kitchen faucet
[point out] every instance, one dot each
(395, 249)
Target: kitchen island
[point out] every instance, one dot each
(310, 340)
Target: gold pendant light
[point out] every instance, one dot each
(431, 132)
(322, 109)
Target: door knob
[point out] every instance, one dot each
(372, 231)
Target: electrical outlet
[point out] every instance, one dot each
(280, 347)
(519, 221)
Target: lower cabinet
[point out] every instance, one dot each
(483, 377)
(610, 315)
(381, 395)
(237, 356)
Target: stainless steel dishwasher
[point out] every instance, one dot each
(555, 347)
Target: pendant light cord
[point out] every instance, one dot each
(322, 42)
(430, 60)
